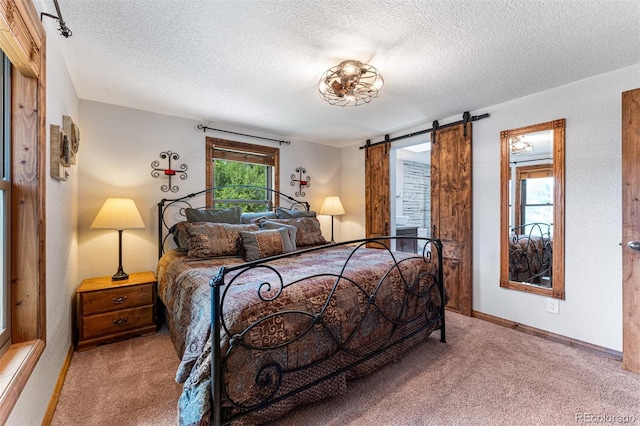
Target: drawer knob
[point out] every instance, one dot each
(118, 300)
(120, 321)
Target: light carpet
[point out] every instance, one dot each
(485, 375)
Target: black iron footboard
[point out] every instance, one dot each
(418, 312)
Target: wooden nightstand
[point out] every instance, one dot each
(114, 310)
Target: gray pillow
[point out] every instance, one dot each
(265, 243)
(180, 235)
(229, 215)
(291, 230)
(251, 217)
(291, 214)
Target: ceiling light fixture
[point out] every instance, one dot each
(517, 146)
(350, 83)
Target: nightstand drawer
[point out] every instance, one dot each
(118, 298)
(115, 322)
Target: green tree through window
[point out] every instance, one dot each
(228, 173)
(249, 168)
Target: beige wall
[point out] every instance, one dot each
(592, 311)
(118, 147)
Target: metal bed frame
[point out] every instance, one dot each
(531, 253)
(271, 376)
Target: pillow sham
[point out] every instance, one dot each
(265, 243)
(252, 217)
(291, 230)
(291, 214)
(229, 215)
(308, 231)
(206, 239)
(180, 236)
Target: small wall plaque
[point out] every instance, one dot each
(58, 158)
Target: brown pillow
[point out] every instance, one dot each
(309, 232)
(207, 239)
(265, 243)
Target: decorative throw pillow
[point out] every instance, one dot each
(230, 215)
(180, 235)
(308, 231)
(265, 243)
(252, 217)
(291, 214)
(291, 230)
(207, 239)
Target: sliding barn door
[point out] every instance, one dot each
(631, 230)
(451, 210)
(377, 203)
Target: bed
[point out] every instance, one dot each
(531, 254)
(292, 322)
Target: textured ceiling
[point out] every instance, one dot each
(257, 63)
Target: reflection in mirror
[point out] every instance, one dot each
(532, 209)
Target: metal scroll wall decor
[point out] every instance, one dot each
(302, 182)
(157, 171)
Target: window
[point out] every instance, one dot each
(25, 47)
(535, 192)
(237, 163)
(5, 205)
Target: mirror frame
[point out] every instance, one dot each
(557, 283)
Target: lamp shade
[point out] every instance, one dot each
(332, 206)
(118, 213)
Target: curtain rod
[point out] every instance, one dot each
(466, 117)
(205, 128)
(64, 30)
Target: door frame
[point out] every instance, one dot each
(630, 230)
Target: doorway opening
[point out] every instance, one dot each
(410, 169)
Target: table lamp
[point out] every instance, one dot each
(333, 207)
(118, 214)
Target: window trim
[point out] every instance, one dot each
(528, 172)
(23, 39)
(243, 152)
(5, 186)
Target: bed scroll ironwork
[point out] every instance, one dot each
(271, 376)
(531, 254)
(166, 206)
(416, 281)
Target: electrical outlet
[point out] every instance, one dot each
(552, 305)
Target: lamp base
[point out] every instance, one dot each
(120, 275)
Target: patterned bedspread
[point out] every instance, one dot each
(318, 309)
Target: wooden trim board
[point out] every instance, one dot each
(57, 390)
(568, 341)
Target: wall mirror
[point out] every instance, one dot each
(532, 209)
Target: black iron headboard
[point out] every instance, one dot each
(180, 204)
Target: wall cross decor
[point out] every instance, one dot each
(155, 165)
(300, 181)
